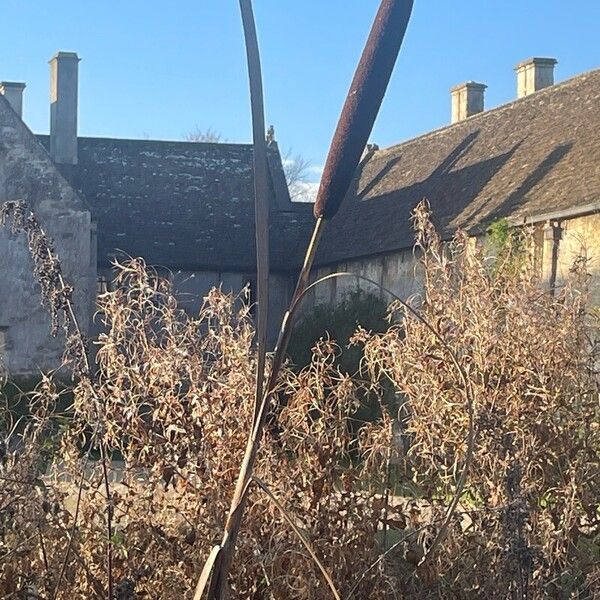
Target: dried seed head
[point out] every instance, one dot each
(362, 104)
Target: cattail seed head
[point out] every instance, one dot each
(362, 104)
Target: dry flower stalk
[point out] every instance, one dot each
(356, 122)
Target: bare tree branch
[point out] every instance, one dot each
(207, 136)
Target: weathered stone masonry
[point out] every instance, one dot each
(28, 173)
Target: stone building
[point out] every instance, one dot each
(533, 161)
(187, 207)
(28, 172)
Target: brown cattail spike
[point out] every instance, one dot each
(362, 104)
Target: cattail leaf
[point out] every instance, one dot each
(261, 188)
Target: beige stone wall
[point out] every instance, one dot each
(399, 271)
(580, 237)
(27, 173)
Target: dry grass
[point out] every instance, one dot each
(174, 399)
(177, 397)
(532, 360)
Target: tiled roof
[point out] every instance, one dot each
(189, 205)
(535, 155)
(185, 205)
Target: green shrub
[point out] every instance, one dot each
(338, 322)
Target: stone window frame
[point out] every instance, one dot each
(103, 284)
(5, 342)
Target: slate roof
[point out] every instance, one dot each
(185, 205)
(535, 155)
(189, 205)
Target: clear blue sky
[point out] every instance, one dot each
(161, 69)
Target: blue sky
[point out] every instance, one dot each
(160, 70)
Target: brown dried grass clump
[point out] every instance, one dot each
(497, 384)
(529, 512)
(177, 399)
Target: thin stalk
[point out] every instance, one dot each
(71, 531)
(73, 327)
(261, 192)
(222, 562)
(109, 518)
(263, 486)
(44, 555)
(469, 395)
(87, 372)
(354, 127)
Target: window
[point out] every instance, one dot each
(4, 346)
(103, 285)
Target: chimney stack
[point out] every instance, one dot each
(467, 100)
(13, 92)
(63, 108)
(534, 74)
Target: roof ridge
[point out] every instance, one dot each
(508, 105)
(156, 141)
(152, 141)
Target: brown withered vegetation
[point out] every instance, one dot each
(172, 402)
(530, 525)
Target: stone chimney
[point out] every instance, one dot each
(13, 92)
(534, 74)
(63, 108)
(467, 100)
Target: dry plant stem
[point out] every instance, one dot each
(262, 243)
(71, 532)
(263, 486)
(86, 373)
(382, 556)
(218, 585)
(261, 191)
(386, 497)
(206, 572)
(98, 588)
(356, 121)
(44, 555)
(109, 517)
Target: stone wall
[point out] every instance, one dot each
(400, 271)
(28, 173)
(397, 271)
(579, 237)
